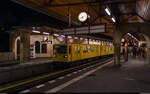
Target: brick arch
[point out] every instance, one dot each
(142, 28)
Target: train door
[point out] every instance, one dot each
(78, 52)
(70, 53)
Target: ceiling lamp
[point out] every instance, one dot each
(69, 37)
(56, 35)
(62, 35)
(35, 31)
(113, 19)
(46, 33)
(81, 38)
(107, 11)
(76, 38)
(122, 40)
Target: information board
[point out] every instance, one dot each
(85, 29)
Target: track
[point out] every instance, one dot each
(29, 83)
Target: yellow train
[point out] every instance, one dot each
(76, 52)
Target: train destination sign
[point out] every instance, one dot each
(85, 29)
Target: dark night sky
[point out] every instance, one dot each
(12, 14)
(4, 42)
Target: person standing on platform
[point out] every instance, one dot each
(134, 52)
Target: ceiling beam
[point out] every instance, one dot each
(43, 10)
(142, 18)
(101, 15)
(102, 2)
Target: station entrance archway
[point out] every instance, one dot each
(122, 29)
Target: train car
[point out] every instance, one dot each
(76, 52)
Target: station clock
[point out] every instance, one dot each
(83, 16)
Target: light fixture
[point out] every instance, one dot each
(69, 37)
(75, 37)
(107, 11)
(35, 31)
(71, 40)
(60, 38)
(45, 38)
(113, 19)
(56, 35)
(129, 34)
(81, 38)
(132, 36)
(62, 35)
(122, 40)
(46, 33)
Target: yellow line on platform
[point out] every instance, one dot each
(38, 78)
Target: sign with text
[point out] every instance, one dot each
(85, 29)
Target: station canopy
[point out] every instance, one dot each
(123, 11)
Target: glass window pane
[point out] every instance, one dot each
(37, 47)
(60, 49)
(44, 48)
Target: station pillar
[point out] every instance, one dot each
(117, 54)
(12, 37)
(148, 53)
(117, 43)
(24, 45)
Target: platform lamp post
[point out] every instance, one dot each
(88, 20)
(69, 17)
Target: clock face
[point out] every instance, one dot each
(82, 16)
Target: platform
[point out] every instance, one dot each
(13, 70)
(132, 76)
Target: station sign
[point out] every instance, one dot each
(32, 51)
(85, 29)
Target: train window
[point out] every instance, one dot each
(85, 50)
(60, 49)
(37, 47)
(92, 50)
(77, 49)
(89, 49)
(110, 48)
(106, 49)
(101, 48)
(44, 48)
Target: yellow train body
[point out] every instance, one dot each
(75, 52)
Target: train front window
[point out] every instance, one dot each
(60, 49)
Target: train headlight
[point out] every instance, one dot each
(65, 56)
